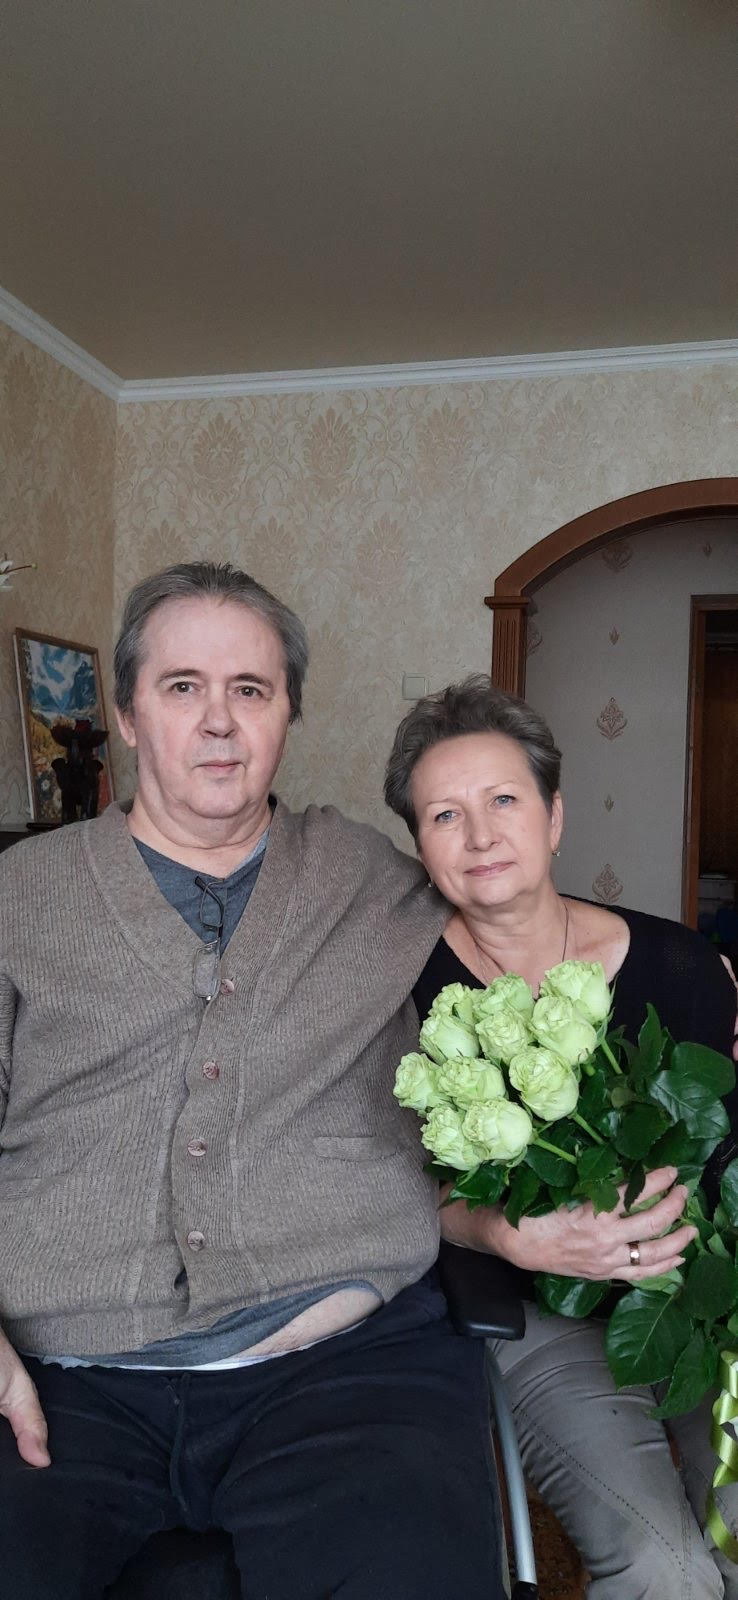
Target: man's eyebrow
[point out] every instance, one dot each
(173, 673)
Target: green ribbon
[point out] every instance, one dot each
(725, 1443)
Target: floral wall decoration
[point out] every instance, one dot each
(607, 886)
(617, 556)
(611, 721)
(620, 717)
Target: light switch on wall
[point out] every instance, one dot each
(413, 686)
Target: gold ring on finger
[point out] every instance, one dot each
(634, 1254)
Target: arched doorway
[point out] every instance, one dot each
(514, 587)
(637, 513)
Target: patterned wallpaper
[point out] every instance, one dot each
(608, 664)
(385, 515)
(382, 515)
(57, 456)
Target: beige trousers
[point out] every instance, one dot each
(605, 1468)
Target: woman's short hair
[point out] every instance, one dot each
(473, 706)
(209, 580)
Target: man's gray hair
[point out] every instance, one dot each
(209, 580)
(473, 706)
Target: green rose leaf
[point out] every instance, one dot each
(645, 1336)
(483, 1187)
(604, 1196)
(707, 1067)
(640, 1127)
(550, 1168)
(729, 1193)
(711, 1288)
(665, 1283)
(594, 1101)
(635, 1185)
(600, 1161)
(596, 1168)
(686, 1097)
(524, 1188)
(694, 1373)
(569, 1297)
(645, 1062)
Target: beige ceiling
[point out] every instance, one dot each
(209, 186)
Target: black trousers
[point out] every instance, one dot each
(358, 1469)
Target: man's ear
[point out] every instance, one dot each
(126, 727)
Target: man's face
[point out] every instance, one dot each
(210, 710)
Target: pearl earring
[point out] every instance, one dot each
(556, 852)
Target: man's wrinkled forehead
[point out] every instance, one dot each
(193, 633)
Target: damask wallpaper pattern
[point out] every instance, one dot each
(384, 516)
(57, 458)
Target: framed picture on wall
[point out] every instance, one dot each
(64, 728)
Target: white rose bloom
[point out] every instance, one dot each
(557, 1025)
(548, 1086)
(465, 1081)
(503, 1033)
(455, 1000)
(444, 1036)
(584, 983)
(416, 1083)
(500, 1128)
(509, 990)
(443, 1135)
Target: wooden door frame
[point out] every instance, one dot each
(671, 502)
(701, 604)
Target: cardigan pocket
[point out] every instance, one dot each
(354, 1147)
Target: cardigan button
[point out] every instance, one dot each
(227, 986)
(196, 1147)
(195, 1239)
(210, 1069)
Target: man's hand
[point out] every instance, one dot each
(578, 1244)
(19, 1402)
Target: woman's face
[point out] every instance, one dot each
(485, 835)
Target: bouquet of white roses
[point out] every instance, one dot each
(534, 1105)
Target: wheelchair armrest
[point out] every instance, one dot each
(482, 1292)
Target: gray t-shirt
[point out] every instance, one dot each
(241, 1330)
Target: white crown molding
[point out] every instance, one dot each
(484, 370)
(41, 333)
(562, 363)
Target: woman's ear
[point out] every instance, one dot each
(557, 822)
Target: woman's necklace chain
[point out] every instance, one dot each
(562, 957)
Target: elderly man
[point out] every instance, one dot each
(216, 1230)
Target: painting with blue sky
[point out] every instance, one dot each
(59, 682)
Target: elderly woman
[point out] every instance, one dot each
(475, 775)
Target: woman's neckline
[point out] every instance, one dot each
(483, 982)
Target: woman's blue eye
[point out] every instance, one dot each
(503, 799)
(443, 816)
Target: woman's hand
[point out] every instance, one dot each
(578, 1244)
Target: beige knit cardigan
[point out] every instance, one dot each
(254, 1141)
